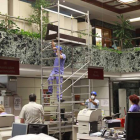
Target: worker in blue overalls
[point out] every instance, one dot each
(55, 71)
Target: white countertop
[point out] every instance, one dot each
(87, 137)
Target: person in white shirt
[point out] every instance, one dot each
(32, 112)
(92, 102)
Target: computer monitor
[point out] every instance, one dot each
(37, 129)
(19, 129)
(132, 126)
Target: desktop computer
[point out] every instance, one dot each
(37, 129)
(19, 129)
(23, 129)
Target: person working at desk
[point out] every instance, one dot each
(134, 99)
(32, 112)
(92, 102)
(2, 110)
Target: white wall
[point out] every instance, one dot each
(70, 24)
(65, 22)
(122, 101)
(111, 92)
(4, 6)
(17, 8)
(84, 26)
(23, 10)
(102, 89)
(53, 17)
(25, 86)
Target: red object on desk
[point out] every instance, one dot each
(122, 121)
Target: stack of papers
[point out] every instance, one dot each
(97, 134)
(112, 121)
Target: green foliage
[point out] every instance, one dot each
(137, 49)
(8, 25)
(29, 34)
(108, 49)
(99, 45)
(123, 32)
(36, 16)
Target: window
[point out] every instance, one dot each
(104, 36)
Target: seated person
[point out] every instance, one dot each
(2, 110)
(134, 99)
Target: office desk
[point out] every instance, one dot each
(87, 137)
(53, 127)
(5, 133)
(77, 136)
(75, 131)
(5, 129)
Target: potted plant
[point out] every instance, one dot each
(123, 32)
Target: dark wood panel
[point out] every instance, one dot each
(113, 8)
(102, 5)
(54, 36)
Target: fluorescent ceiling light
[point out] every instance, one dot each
(135, 19)
(127, 1)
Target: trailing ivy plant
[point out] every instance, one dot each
(36, 16)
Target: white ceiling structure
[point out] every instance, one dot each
(100, 13)
(35, 71)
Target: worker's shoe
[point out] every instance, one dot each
(62, 100)
(48, 93)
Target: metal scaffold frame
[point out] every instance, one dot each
(72, 102)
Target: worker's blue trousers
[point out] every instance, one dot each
(50, 83)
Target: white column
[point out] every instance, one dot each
(122, 101)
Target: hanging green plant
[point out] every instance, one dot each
(8, 25)
(36, 16)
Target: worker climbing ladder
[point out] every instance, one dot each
(72, 42)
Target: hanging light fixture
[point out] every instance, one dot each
(127, 1)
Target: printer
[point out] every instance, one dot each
(6, 120)
(88, 120)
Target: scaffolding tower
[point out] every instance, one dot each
(72, 85)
